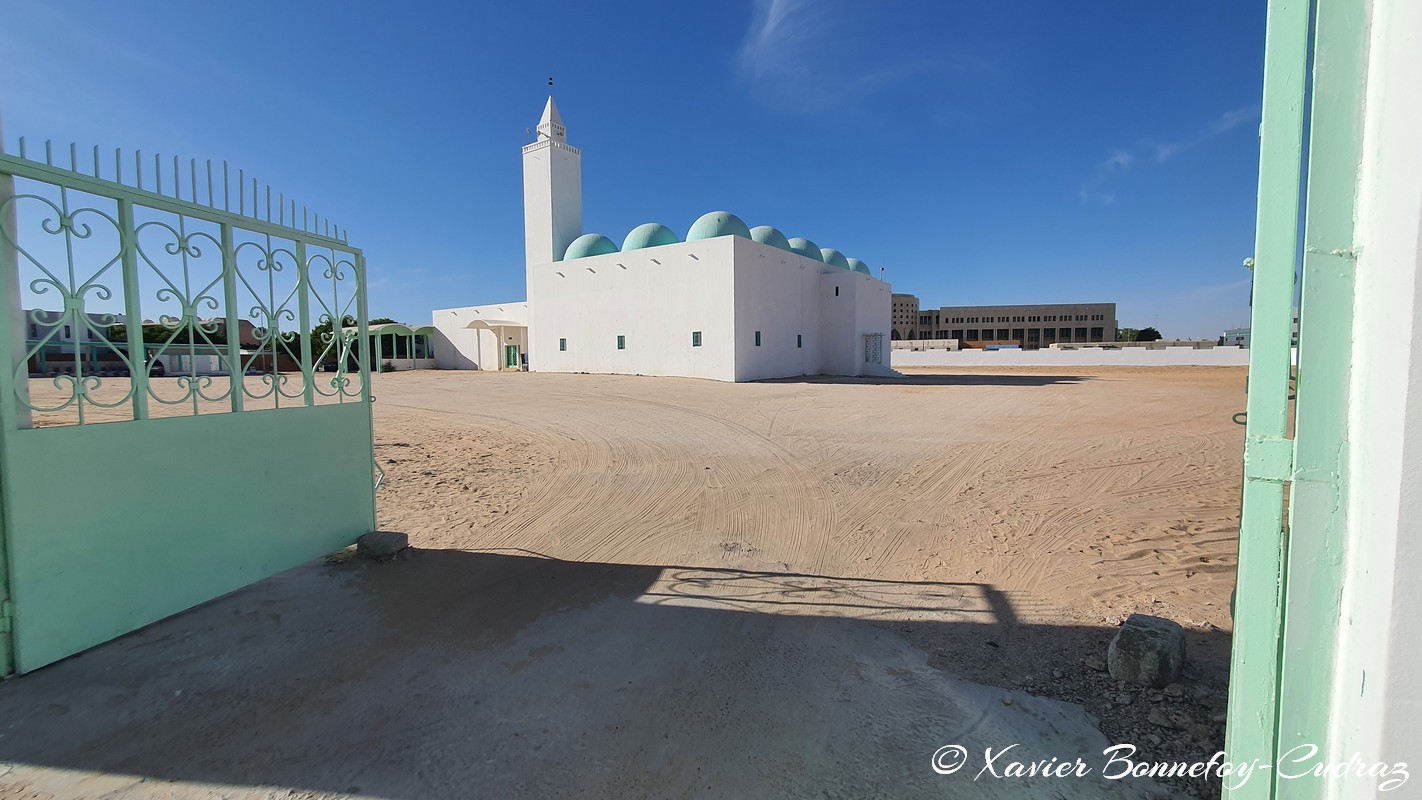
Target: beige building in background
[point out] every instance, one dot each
(1030, 326)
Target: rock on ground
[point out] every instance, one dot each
(382, 544)
(1147, 651)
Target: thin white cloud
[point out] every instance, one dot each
(1230, 120)
(780, 45)
(781, 32)
(1226, 122)
(802, 55)
(1120, 160)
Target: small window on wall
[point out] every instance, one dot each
(799, 340)
(836, 291)
(621, 342)
(757, 338)
(696, 338)
(562, 344)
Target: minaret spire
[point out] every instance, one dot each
(551, 125)
(552, 190)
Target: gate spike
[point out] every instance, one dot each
(158, 172)
(96, 161)
(118, 165)
(138, 167)
(210, 203)
(49, 152)
(73, 157)
(22, 147)
(226, 194)
(241, 192)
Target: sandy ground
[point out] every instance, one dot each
(1078, 498)
(649, 587)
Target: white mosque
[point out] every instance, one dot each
(729, 303)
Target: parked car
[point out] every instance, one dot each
(156, 369)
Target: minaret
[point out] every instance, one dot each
(552, 191)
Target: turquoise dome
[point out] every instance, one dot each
(859, 266)
(834, 258)
(652, 234)
(717, 223)
(589, 244)
(768, 235)
(806, 248)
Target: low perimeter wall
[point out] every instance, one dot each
(1088, 357)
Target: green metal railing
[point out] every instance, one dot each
(196, 267)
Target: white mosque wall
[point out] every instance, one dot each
(655, 298)
(838, 355)
(727, 288)
(457, 346)
(776, 295)
(854, 305)
(873, 301)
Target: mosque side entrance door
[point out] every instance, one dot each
(511, 356)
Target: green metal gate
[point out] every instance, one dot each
(183, 439)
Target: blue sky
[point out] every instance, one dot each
(981, 152)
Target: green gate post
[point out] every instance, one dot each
(303, 304)
(1318, 499)
(12, 387)
(236, 372)
(1254, 669)
(133, 311)
(363, 332)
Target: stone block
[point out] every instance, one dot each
(1147, 651)
(381, 544)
